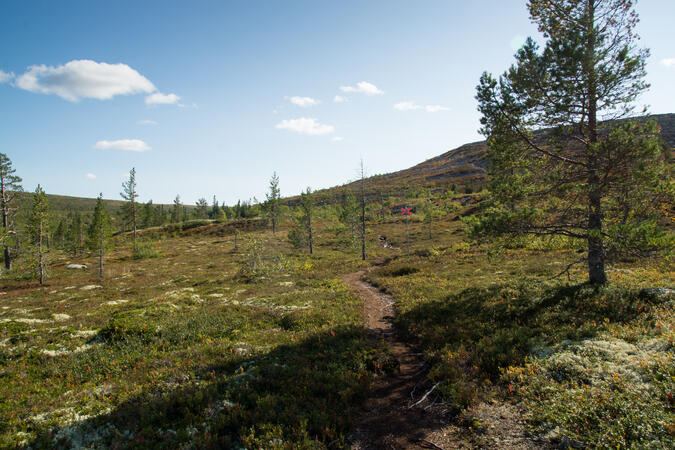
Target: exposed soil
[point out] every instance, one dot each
(401, 412)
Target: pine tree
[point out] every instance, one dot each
(148, 215)
(130, 194)
(306, 205)
(99, 232)
(214, 214)
(202, 208)
(572, 181)
(176, 213)
(10, 184)
(39, 229)
(273, 203)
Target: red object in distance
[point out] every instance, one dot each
(406, 211)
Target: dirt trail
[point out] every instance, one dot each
(398, 415)
(388, 421)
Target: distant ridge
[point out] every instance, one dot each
(465, 165)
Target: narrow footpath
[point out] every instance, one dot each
(401, 411)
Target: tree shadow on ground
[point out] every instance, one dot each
(499, 326)
(304, 395)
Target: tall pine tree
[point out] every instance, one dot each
(99, 232)
(572, 182)
(130, 194)
(38, 226)
(273, 202)
(10, 184)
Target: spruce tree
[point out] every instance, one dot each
(273, 203)
(572, 180)
(130, 194)
(38, 226)
(99, 232)
(10, 184)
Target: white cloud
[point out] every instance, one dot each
(436, 108)
(668, 62)
(411, 106)
(337, 139)
(130, 145)
(305, 125)
(84, 78)
(147, 122)
(162, 99)
(90, 176)
(303, 101)
(363, 87)
(5, 76)
(339, 99)
(407, 106)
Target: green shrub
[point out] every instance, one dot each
(145, 249)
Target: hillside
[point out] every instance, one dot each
(464, 165)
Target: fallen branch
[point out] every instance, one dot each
(566, 270)
(428, 444)
(424, 397)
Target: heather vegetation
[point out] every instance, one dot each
(138, 325)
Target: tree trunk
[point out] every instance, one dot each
(596, 251)
(100, 256)
(309, 231)
(5, 223)
(40, 264)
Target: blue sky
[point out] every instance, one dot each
(209, 98)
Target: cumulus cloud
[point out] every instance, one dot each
(5, 76)
(411, 106)
(90, 176)
(130, 145)
(363, 87)
(339, 99)
(162, 99)
(303, 101)
(147, 122)
(84, 78)
(668, 62)
(305, 125)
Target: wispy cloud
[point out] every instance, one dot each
(84, 78)
(5, 76)
(162, 99)
(337, 139)
(147, 122)
(407, 106)
(411, 106)
(363, 87)
(305, 125)
(668, 62)
(130, 145)
(303, 101)
(90, 176)
(340, 99)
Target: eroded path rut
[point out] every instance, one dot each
(388, 420)
(398, 415)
